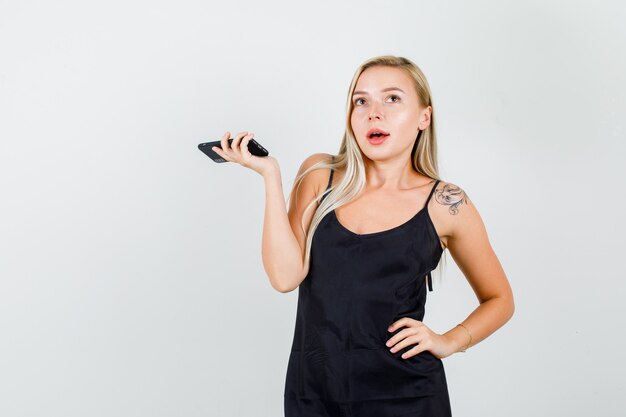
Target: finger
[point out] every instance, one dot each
(224, 136)
(236, 145)
(244, 146)
(397, 324)
(401, 339)
(407, 331)
(413, 351)
(219, 151)
(404, 321)
(224, 143)
(228, 149)
(239, 136)
(412, 340)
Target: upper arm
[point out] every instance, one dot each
(309, 188)
(469, 245)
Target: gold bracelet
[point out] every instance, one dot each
(470, 337)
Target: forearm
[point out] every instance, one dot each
(281, 253)
(488, 317)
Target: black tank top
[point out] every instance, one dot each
(357, 285)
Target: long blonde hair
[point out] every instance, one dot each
(423, 154)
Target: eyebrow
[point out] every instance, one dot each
(382, 91)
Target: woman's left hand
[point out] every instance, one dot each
(417, 332)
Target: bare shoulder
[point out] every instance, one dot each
(451, 197)
(300, 211)
(304, 192)
(452, 210)
(468, 243)
(315, 158)
(317, 177)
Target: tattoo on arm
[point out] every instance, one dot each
(452, 196)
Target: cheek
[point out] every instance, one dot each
(356, 121)
(406, 122)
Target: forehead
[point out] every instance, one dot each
(374, 79)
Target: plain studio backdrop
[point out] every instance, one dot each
(131, 277)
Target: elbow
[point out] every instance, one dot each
(282, 289)
(286, 290)
(287, 285)
(509, 308)
(512, 308)
(279, 288)
(505, 306)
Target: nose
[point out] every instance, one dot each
(375, 113)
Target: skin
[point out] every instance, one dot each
(398, 113)
(389, 200)
(456, 219)
(238, 152)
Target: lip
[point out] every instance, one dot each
(376, 130)
(377, 141)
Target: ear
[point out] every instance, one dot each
(425, 119)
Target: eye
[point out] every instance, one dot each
(356, 102)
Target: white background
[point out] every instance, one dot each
(131, 279)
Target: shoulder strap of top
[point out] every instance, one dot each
(330, 181)
(431, 192)
(429, 277)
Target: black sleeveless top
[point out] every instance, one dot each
(358, 285)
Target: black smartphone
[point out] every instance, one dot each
(254, 147)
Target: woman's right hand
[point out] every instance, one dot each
(238, 152)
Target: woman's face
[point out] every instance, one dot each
(385, 98)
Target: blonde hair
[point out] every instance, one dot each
(423, 154)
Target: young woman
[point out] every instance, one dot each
(359, 241)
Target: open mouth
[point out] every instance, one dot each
(375, 133)
(377, 138)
